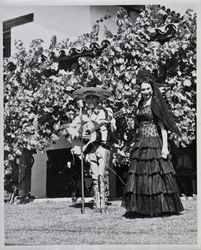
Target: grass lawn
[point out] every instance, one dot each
(61, 223)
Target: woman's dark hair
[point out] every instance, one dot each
(158, 104)
(144, 76)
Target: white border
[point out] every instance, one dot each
(197, 4)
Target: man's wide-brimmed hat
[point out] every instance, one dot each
(82, 93)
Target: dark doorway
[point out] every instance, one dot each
(64, 174)
(58, 172)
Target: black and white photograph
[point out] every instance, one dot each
(100, 125)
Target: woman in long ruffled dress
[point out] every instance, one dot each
(151, 188)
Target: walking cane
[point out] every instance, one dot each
(81, 105)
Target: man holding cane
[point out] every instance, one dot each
(96, 130)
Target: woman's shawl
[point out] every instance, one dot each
(160, 110)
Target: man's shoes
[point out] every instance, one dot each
(74, 199)
(94, 205)
(99, 209)
(104, 210)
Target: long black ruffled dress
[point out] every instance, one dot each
(151, 186)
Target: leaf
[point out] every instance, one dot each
(18, 152)
(69, 88)
(10, 157)
(187, 82)
(194, 73)
(53, 42)
(54, 137)
(57, 126)
(6, 148)
(48, 131)
(48, 110)
(176, 113)
(33, 142)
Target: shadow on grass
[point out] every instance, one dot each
(86, 204)
(79, 205)
(134, 215)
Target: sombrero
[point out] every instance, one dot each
(82, 93)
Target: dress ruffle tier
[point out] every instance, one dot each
(151, 186)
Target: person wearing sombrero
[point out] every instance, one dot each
(95, 134)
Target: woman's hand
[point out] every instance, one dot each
(164, 153)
